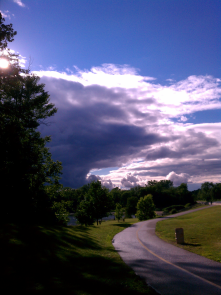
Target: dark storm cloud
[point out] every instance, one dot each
(88, 132)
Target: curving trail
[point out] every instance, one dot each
(166, 268)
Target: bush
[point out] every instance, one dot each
(188, 205)
(177, 207)
(173, 211)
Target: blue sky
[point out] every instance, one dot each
(136, 83)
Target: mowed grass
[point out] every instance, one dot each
(66, 260)
(202, 232)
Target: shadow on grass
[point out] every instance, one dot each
(43, 260)
(193, 245)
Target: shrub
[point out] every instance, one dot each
(177, 207)
(173, 211)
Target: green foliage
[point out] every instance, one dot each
(6, 33)
(145, 208)
(124, 196)
(207, 191)
(161, 184)
(85, 213)
(217, 191)
(173, 211)
(119, 212)
(96, 204)
(131, 206)
(29, 177)
(116, 196)
(177, 207)
(61, 212)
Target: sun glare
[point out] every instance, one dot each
(3, 63)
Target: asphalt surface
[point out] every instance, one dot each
(165, 267)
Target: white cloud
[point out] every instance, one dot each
(177, 179)
(19, 2)
(183, 118)
(5, 14)
(51, 68)
(196, 93)
(129, 181)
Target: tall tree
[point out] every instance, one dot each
(29, 177)
(145, 208)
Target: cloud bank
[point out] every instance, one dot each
(110, 116)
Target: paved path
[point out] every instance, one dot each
(166, 268)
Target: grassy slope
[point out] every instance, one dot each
(201, 232)
(66, 260)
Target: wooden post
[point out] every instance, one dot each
(179, 235)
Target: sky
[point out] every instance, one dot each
(137, 85)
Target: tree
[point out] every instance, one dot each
(29, 176)
(96, 205)
(85, 213)
(217, 191)
(6, 33)
(206, 192)
(116, 195)
(145, 208)
(124, 196)
(119, 211)
(131, 206)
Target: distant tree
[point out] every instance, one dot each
(145, 208)
(85, 213)
(135, 191)
(119, 212)
(183, 195)
(124, 196)
(131, 206)
(160, 184)
(206, 192)
(97, 203)
(116, 196)
(217, 191)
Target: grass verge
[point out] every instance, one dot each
(201, 232)
(66, 260)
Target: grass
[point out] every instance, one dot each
(201, 232)
(66, 260)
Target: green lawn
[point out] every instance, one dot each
(66, 260)
(202, 232)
